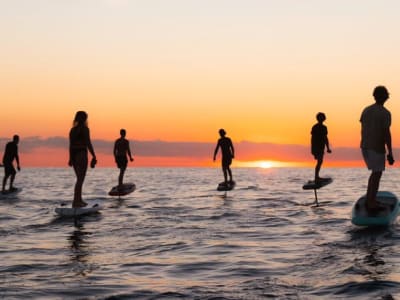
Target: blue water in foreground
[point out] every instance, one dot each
(176, 237)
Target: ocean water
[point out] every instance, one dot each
(176, 237)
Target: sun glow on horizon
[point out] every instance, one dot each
(267, 164)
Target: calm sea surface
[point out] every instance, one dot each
(176, 237)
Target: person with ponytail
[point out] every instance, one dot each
(79, 144)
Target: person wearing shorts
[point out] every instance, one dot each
(10, 154)
(374, 161)
(79, 145)
(228, 153)
(375, 136)
(121, 151)
(319, 140)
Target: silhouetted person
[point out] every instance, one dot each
(228, 153)
(375, 135)
(79, 144)
(10, 154)
(319, 140)
(122, 151)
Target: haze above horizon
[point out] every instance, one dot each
(177, 71)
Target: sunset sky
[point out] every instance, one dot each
(172, 72)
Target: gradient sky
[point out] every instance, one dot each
(177, 71)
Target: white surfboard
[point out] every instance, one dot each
(68, 211)
(123, 190)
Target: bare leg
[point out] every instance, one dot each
(80, 177)
(225, 174)
(121, 176)
(230, 174)
(317, 169)
(4, 183)
(12, 177)
(372, 190)
(80, 168)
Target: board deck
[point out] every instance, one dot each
(312, 185)
(126, 189)
(67, 211)
(361, 217)
(226, 187)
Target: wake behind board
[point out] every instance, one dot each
(67, 211)
(125, 189)
(312, 185)
(222, 186)
(361, 217)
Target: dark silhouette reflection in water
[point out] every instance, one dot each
(359, 265)
(373, 249)
(80, 249)
(372, 245)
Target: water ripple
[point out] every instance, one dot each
(176, 237)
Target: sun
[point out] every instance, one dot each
(266, 164)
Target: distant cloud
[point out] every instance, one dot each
(141, 148)
(282, 152)
(29, 144)
(173, 149)
(244, 150)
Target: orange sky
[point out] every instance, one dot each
(180, 70)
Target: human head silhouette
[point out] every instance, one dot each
(380, 94)
(80, 118)
(320, 117)
(122, 132)
(16, 139)
(222, 132)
